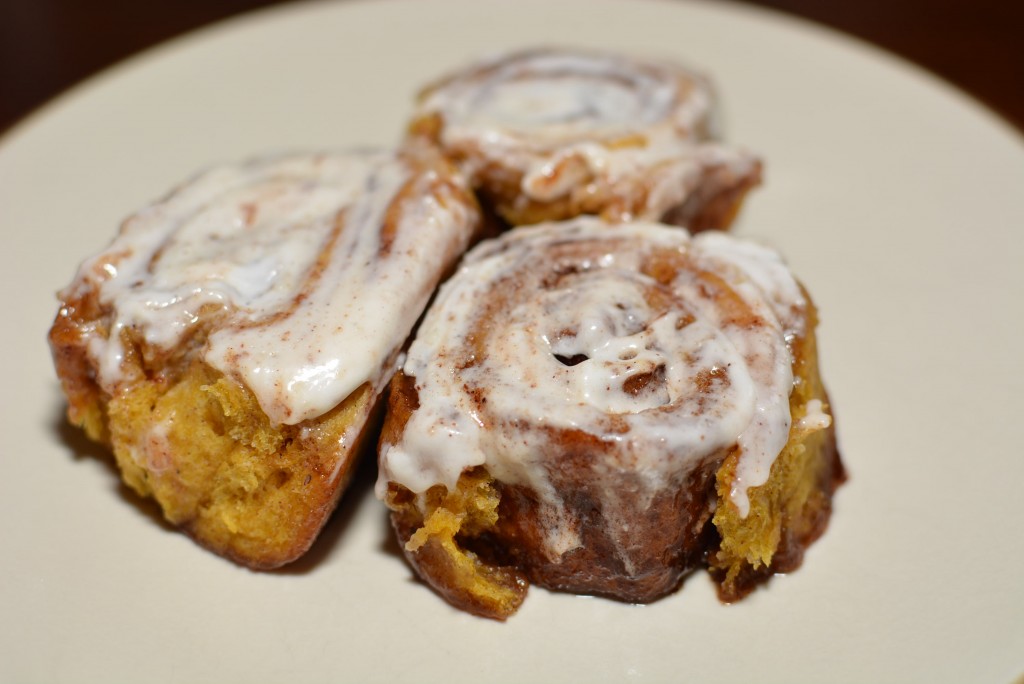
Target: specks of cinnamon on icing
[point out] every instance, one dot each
(307, 271)
(670, 368)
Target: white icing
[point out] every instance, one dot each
(287, 262)
(554, 97)
(815, 418)
(563, 350)
(158, 452)
(565, 119)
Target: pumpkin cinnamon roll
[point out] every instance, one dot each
(549, 134)
(231, 344)
(602, 409)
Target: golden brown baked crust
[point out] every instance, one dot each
(198, 443)
(496, 533)
(679, 531)
(197, 439)
(433, 534)
(792, 509)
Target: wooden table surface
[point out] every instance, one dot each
(48, 45)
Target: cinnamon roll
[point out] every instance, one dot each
(601, 409)
(549, 134)
(231, 343)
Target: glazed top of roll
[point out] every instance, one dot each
(530, 110)
(547, 98)
(664, 347)
(300, 276)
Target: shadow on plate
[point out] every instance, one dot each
(83, 449)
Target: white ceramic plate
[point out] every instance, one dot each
(897, 201)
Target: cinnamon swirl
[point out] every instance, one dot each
(601, 409)
(549, 134)
(231, 343)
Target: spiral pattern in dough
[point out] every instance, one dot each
(305, 272)
(552, 133)
(232, 343)
(663, 349)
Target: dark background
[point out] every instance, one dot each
(48, 45)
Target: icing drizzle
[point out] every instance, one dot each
(670, 347)
(307, 272)
(564, 119)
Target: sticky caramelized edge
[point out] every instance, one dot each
(792, 508)
(788, 513)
